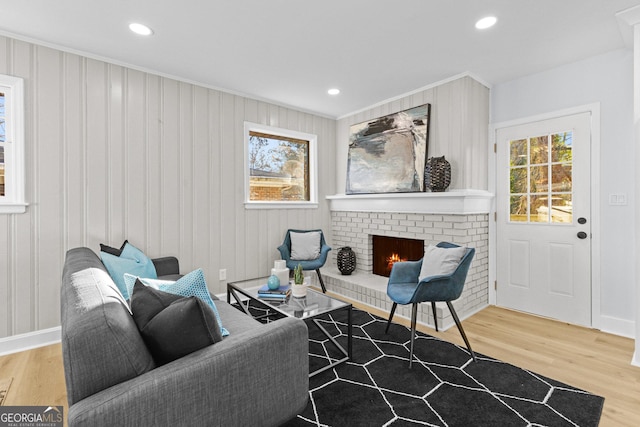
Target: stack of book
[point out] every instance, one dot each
(279, 294)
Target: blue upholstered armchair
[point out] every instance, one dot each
(405, 287)
(307, 264)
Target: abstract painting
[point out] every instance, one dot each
(388, 154)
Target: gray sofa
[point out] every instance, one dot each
(258, 375)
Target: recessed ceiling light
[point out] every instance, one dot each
(486, 22)
(141, 29)
(333, 91)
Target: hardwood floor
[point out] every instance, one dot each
(38, 377)
(584, 358)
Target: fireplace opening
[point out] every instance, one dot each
(388, 250)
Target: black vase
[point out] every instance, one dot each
(437, 174)
(346, 260)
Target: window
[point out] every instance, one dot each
(541, 179)
(11, 145)
(280, 168)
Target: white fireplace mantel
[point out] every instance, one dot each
(448, 202)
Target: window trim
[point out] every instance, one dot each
(313, 162)
(14, 199)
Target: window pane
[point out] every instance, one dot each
(561, 177)
(518, 180)
(518, 152)
(279, 168)
(562, 147)
(539, 179)
(518, 208)
(539, 150)
(539, 208)
(533, 197)
(562, 208)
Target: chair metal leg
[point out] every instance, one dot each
(414, 315)
(435, 316)
(324, 290)
(393, 310)
(459, 325)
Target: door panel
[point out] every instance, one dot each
(561, 282)
(519, 263)
(543, 187)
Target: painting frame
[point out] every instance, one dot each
(388, 154)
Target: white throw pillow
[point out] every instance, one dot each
(305, 246)
(440, 261)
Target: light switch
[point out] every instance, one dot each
(618, 199)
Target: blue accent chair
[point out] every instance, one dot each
(314, 264)
(403, 288)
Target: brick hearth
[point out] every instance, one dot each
(355, 228)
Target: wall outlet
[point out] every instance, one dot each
(223, 274)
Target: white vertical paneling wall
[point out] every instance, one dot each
(114, 153)
(458, 130)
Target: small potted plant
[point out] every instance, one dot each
(299, 288)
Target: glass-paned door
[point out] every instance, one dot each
(543, 199)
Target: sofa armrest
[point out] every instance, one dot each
(166, 266)
(260, 374)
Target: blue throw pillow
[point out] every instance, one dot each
(192, 284)
(133, 261)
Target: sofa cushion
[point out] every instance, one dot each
(172, 326)
(133, 261)
(236, 321)
(101, 344)
(192, 284)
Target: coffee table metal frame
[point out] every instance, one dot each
(309, 308)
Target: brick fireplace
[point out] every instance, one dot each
(459, 217)
(387, 250)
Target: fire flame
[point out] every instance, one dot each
(392, 260)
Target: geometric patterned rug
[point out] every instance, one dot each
(444, 388)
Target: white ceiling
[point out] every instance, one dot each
(292, 51)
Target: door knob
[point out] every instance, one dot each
(582, 220)
(582, 235)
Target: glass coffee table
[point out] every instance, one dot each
(309, 308)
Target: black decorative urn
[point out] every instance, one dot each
(346, 260)
(437, 174)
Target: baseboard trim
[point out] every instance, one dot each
(616, 326)
(29, 340)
